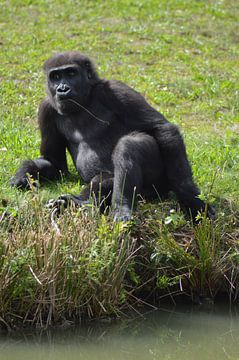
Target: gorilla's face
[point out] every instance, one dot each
(68, 87)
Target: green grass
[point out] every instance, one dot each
(183, 57)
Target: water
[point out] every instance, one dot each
(179, 333)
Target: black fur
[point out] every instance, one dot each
(120, 145)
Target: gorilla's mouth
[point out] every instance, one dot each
(64, 95)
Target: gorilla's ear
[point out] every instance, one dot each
(89, 69)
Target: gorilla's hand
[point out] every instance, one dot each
(64, 201)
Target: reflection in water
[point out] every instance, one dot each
(180, 334)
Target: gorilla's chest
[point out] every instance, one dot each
(91, 146)
(93, 158)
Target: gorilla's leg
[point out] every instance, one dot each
(137, 166)
(178, 171)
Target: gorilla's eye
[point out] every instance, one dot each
(54, 76)
(71, 72)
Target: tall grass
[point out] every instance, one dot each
(79, 270)
(199, 261)
(84, 265)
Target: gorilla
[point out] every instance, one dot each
(120, 145)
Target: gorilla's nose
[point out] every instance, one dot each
(63, 89)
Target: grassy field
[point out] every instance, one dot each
(183, 57)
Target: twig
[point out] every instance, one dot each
(53, 222)
(34, 275)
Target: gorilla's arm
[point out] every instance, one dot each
(53, 150)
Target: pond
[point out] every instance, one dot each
(180, 333)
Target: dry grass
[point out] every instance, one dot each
(48, 275)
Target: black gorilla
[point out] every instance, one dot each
(120, 145)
